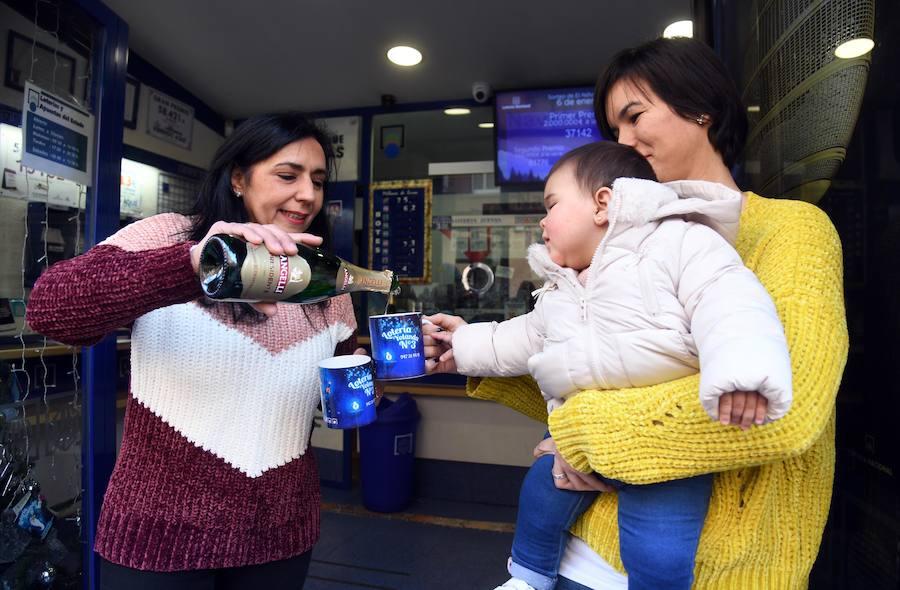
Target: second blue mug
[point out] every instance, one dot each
(348, 391)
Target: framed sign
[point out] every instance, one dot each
(344, 133)
(57, 137)
(169, 119)
(400, 228)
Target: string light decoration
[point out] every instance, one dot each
(36, 549)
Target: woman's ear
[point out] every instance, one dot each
(237, 182)
(601, 205)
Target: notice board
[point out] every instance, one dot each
(400, 228)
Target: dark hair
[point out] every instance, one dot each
(691, 79)
(253, 141)
(600, 163)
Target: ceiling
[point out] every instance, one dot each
(243, 58)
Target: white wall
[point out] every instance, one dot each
(204, 143)
(465, 429)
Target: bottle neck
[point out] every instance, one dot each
(356, 278)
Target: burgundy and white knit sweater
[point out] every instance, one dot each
(213, 469)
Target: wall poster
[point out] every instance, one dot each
(400, 228)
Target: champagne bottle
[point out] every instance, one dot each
(234, 270)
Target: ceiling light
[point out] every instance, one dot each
(681, 28)
(457, 111)
(854, 48)
(754, 108)
(486, 125)
(404, 56)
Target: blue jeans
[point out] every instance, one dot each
(659, 528)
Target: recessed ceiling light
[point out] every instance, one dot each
(457, 111)
(854, 48)
(681, 28)
(403, 55)
(754, 108)
(486, 125)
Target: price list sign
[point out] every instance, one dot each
(58, 137)
(400, 229)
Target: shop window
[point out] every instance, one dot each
(478, 235)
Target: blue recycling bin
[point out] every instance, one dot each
(387, 453)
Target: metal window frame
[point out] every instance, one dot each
(107, 92)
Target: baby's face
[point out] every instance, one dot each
(569, 229)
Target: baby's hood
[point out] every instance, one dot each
(636, 201)
(543, 266)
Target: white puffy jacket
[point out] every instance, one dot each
(664, 286)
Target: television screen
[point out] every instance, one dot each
(535, 127)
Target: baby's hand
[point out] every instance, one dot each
(442, 322)
(742, 408)
(435, 340)
(442, 361)
(437, 332)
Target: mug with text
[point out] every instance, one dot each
(397, 348)
(348, 391)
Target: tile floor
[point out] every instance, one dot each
(433, 545)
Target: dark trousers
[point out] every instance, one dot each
(287, 574)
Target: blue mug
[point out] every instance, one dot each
(397, 348)
(348, 391)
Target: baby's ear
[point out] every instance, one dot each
(601, 205)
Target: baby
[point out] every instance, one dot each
(641, 286)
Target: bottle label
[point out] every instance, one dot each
(272, 278)
(353, 278)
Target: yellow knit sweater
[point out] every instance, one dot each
(773, 485)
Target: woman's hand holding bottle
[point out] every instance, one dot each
(276, 240)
